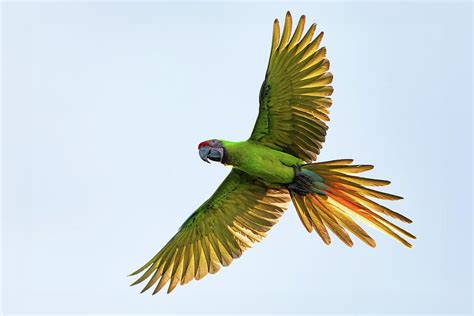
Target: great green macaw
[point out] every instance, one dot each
(273, 166)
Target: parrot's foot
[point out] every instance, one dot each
(302, 182)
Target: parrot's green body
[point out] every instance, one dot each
(267, 164)
(276, 165)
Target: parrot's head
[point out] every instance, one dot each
(211, 150)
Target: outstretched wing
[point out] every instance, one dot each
(236, 216)
(294, 98)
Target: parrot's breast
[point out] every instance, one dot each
(270, 165)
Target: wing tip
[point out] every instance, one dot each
(349, 243)
(136, 282)
(327, 240)
(134, 273)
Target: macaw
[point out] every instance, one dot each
(274, 165)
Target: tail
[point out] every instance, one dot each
(326, 196)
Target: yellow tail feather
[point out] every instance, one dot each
(344, 200)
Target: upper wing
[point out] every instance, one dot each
(294, 98)
(236, 216)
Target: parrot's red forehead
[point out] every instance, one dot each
(202, 144)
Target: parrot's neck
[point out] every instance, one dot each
(232, 151)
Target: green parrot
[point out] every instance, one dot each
(274, 165)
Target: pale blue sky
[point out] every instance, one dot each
(103, 108)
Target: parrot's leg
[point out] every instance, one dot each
(305, 182)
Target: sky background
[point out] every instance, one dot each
(104, 105)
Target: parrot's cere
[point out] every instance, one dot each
(275, 165)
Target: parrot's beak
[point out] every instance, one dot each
(214, 154)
